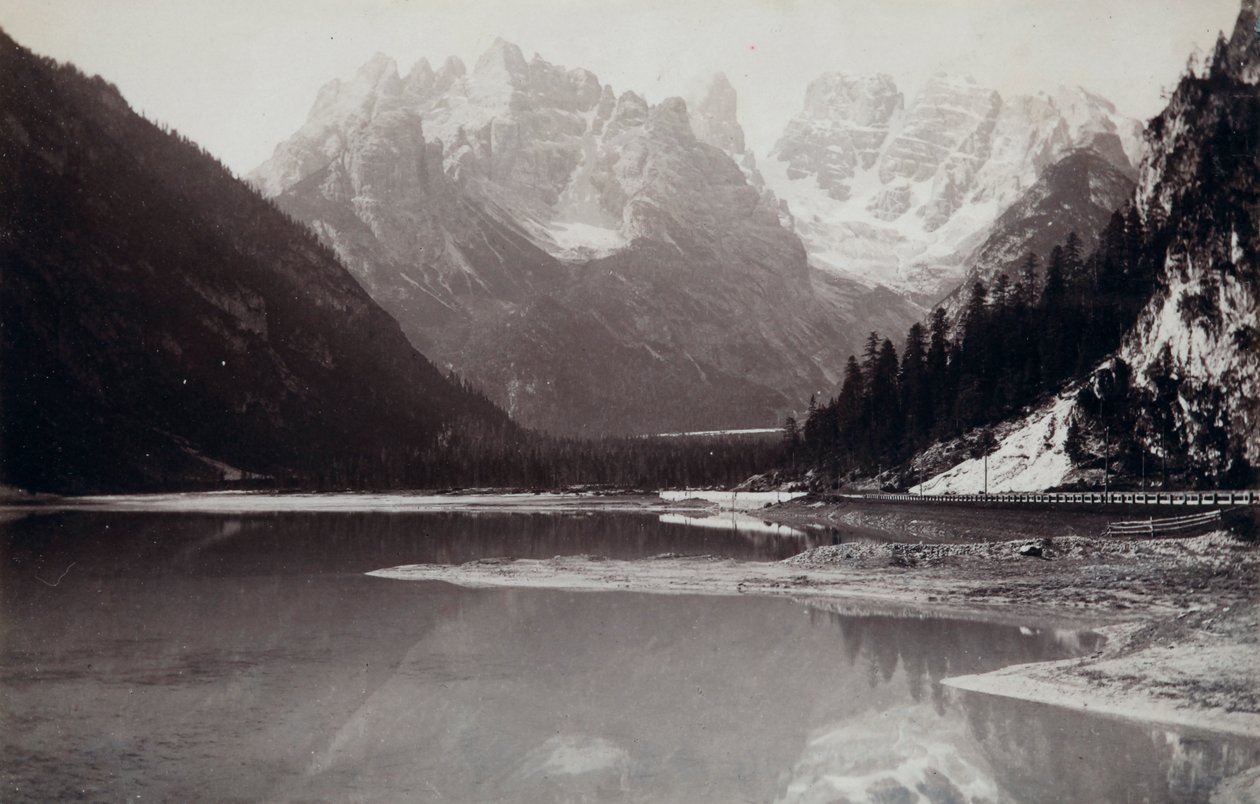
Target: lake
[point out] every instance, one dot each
(180, 657)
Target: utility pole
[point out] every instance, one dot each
(1106, 461)
(986, 473)
(1163, 456)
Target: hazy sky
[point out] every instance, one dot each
(240, 75)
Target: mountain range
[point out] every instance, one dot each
(599, 264)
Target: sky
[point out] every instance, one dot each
(239, 76)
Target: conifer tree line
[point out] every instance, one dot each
(467, 454)
(1036, 328)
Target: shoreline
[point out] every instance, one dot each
(1180, 615)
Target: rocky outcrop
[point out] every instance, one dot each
(840, 132)
(1195, 351)
(715, 115)
(900, 194)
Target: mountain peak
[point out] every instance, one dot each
(421, 69)
(631, 111)
(1243, 46)
(453, 67)
(1067, 95)
(714, 114)
(717, 83)
(501, 55)
(943, 77)
(836, 94)
(377, 67)
(377, 76)
(671, 115)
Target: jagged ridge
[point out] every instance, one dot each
(582, 255)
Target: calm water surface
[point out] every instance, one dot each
(201, 657)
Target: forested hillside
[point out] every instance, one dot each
(163, 324)
(1015, 343)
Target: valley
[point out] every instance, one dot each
(786, 403)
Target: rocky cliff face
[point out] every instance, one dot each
(1195, 352)
(164, 325)
(900, 193)
(596, 262)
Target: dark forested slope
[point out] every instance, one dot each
(162, 324)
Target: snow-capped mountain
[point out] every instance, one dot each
(583, 255)
(541, 142)
(900, 193)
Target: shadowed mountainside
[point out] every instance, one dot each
(163, 324)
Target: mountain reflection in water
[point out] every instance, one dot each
(182, 657)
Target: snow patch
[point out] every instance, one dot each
(574, 755)
(585, 240)
(1032, 458)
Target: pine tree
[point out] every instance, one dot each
(1057, 351)
(885, 403)
(1055, 289)
(850, 406)
(870, 353)
(974, 341)
(792, 440)
(939, 376)
(1003, 294)
(1028, 280)
(1072, 259)
(916, 395)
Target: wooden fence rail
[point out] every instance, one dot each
(1155, 527)
(1187, 498)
